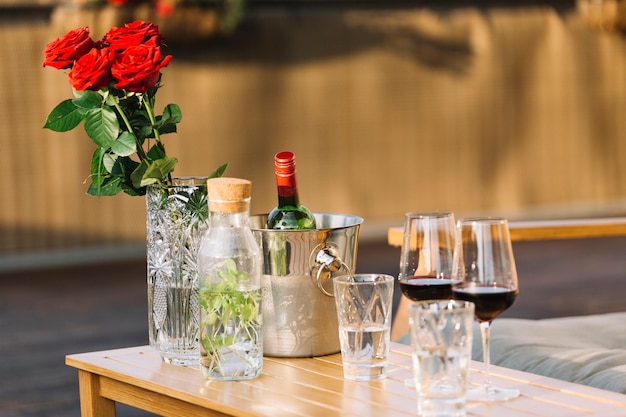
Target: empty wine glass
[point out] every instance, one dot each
(427, 258)
(486, 268)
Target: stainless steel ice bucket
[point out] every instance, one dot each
(299, 316)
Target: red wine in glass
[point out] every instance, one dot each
(489, 300)
(486, 265)
(419, 288)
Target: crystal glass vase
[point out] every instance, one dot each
(176, 221)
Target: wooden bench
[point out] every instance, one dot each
(548, 229)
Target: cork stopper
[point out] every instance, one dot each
(229, 195)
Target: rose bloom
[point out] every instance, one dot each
(137, 68)
(133, 34)
(93, 70)
(62, 52)
(164, 8)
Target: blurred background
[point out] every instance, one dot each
(512, 108)
(499, 107)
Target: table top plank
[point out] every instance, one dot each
(328, 389)
(325, 389)
(315, 386)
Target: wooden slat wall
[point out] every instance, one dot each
(497, 110)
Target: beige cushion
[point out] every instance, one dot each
(589, 350)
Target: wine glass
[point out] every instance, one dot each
(427, 258)
(486, 268)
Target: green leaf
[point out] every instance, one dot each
(141, 125)
(124, 167)
(109, 161)
(132, 191)
(103, 180)
(98, 169)
(64, 117)
(172, 114)
(102, 126)
(219, 171)
(159, 170)
(110, 174)
(167, 122)
(167, 128)
(248, 312)
(152, 172)
(88, 100)
(110, 186)
(137, 175)
(156, 152)
(125, 144)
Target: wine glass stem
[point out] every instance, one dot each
(484, 332)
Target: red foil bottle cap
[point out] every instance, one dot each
(285, 168)
(285, 163)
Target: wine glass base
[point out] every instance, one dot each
(491, 394)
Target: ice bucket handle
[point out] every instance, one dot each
(328, 259)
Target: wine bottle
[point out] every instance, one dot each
(289, 214)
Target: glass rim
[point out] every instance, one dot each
(184, 181)
(483, 219)
(447, 304)
(428, 214)
(348, 279)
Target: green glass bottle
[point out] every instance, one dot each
(289, 214)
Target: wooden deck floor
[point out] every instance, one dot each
(48, 313)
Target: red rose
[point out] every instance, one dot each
(93, 70)
(137, 68)
(62, 52)
(133, 34)
(164, 8)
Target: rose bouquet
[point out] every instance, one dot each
(115, 81)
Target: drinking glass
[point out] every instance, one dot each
(441, 342)
(427, 258)
(486, 268)
(363, 303)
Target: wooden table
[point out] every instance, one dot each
(307, 387)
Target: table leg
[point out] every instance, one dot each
(91, 403)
